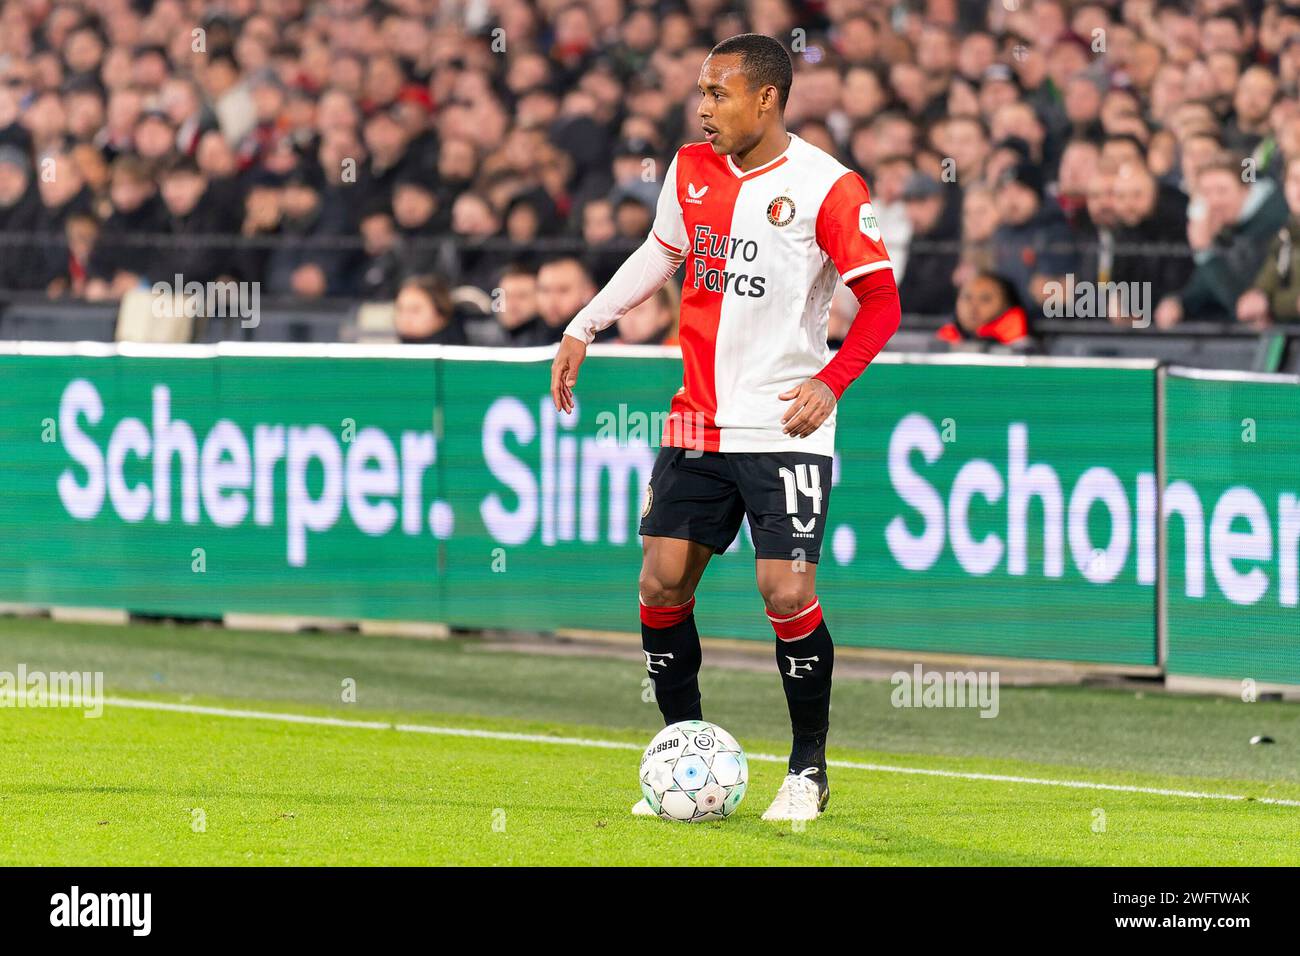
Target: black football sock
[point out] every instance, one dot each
(672, 659)
(806, 659)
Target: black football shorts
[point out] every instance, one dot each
(702, 496)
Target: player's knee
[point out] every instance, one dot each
(782, 600)
(663, 590)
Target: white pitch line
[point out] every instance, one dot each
(620, 745)
(1039, 781)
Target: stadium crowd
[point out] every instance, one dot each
(486, 164)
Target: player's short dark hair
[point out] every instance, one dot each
(763, 59)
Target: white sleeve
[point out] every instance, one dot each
(670, 226)
(639, 277)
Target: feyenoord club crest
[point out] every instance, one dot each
(649, 500)
(780, 211)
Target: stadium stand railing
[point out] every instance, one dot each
(32, 315)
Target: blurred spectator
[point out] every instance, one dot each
(193, 213)
(154, 138)
(80, 233)
(1150, 218)
(632, 218)
(1252, 101)
(228, 92)
(306, 269)
(385, 140)
(516, 309)
(1230, 224)
(599, 234)
(988, 313)
(965, 140)
(1095, 227)
(183, 103)
(892, 173)
(423, 313)
(457, 163)
(20, 212)
(1033, 240)
(474, 220)
(215, 157)
(1275, 293)
(653, 322)
(979, 221)
(63, 193)
(383, 265)
(934, 211)
(131, 235)
(563, 288)
(1079, 164)
(1122, 148)
(416, 210)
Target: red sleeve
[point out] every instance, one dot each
(879, 314)
(848, 231)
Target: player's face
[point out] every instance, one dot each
(729, 111)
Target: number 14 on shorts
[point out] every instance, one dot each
(803, 480)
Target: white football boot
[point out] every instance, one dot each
(642, 809)
(800, 797)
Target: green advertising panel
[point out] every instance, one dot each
(197, 486)
(1233, 506)
(976, 508)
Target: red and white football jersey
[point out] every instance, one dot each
(763, 249)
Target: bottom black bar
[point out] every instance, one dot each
(299, 906)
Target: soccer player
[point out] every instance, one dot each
(764, 223)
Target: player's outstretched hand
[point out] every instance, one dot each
(811, 402)
(564, 372)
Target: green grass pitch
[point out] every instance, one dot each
(142, 786)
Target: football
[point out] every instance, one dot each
(693, 771)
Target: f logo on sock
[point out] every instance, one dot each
(796, 665)
(653, 660)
